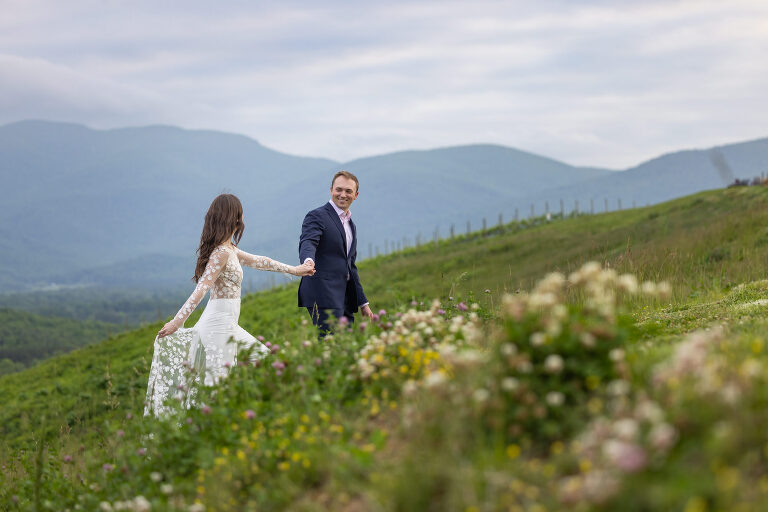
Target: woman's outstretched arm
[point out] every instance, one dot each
(264, 263)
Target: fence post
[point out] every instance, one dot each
(516, 216)
(619, 204)
(468, 228)
(546, 207)
(576, 206)
(483, 224)
(501, 221)
(606, 204)
(532, 213)
(591, 206)
(370, 250)
(562, 209)
(451, 231)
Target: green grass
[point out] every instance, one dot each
(712, 247)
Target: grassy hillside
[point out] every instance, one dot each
(80, 409)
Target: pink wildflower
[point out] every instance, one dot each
(206, 409)
(462, 307)
(274, 348)
(67, 458)
(343, 321)
(278, 365)
(249, 414)
(382, 312)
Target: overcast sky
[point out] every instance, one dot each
(605, 83)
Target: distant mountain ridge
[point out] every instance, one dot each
(124, 207)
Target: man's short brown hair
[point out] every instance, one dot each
(347, 175)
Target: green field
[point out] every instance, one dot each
(509, 405)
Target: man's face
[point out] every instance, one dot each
(343, 192)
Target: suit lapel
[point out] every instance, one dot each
(337, 221)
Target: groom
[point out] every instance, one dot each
(329, 241)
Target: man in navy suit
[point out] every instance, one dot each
(329, 240)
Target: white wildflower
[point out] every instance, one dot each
(105, 506)
(616, 355)
(166, 488)
(155, 476)
(508, 349)
(618, 387)
(587, 339)
(481, 395)
(648, 288)
(553, 364)
(196, 507)
(628, 283)
(662, 436)
(555, 398)
(538, 339)
(434, 379)
(141, 504)
(509, 384)
(626, 429)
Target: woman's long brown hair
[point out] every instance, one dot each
(224, 217)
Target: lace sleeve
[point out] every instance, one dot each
(216, 263)
(263, 263)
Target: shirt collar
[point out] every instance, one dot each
(345, 215)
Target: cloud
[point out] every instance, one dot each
(592, 83)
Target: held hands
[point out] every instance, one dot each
(306, 269)
(169, 328)
(366, 311)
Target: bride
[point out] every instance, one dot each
(207, 350)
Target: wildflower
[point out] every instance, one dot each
(141, 452)
(513, 451)
(616, 355)
(626, 429)
(105, 506)
(434, 379)
(107, 467)
(375, 318)
(462, 307)
(509, 384)
(662, 436)
(410, 387)
(166, 488)
(206, 409)
(628, 457)
(189, 421)
(227, 365)
(441, 311)
(343, 321)
(553, 364)
(508, 349)
(260, 338)
(274, 348)
(382, 312)
(67, 458)
(481, 395)
(196, 507)
(318, 361)
(278, 365)
(306, 343)
(538, 339)
(363, 326)
(155, 476)
(141, 504)
(555, 398)
(268, 344)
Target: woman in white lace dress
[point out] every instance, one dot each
(207, 350)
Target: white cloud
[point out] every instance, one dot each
(591, 83)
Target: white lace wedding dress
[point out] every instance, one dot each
(206, 351)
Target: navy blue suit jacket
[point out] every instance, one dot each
(323, 239)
